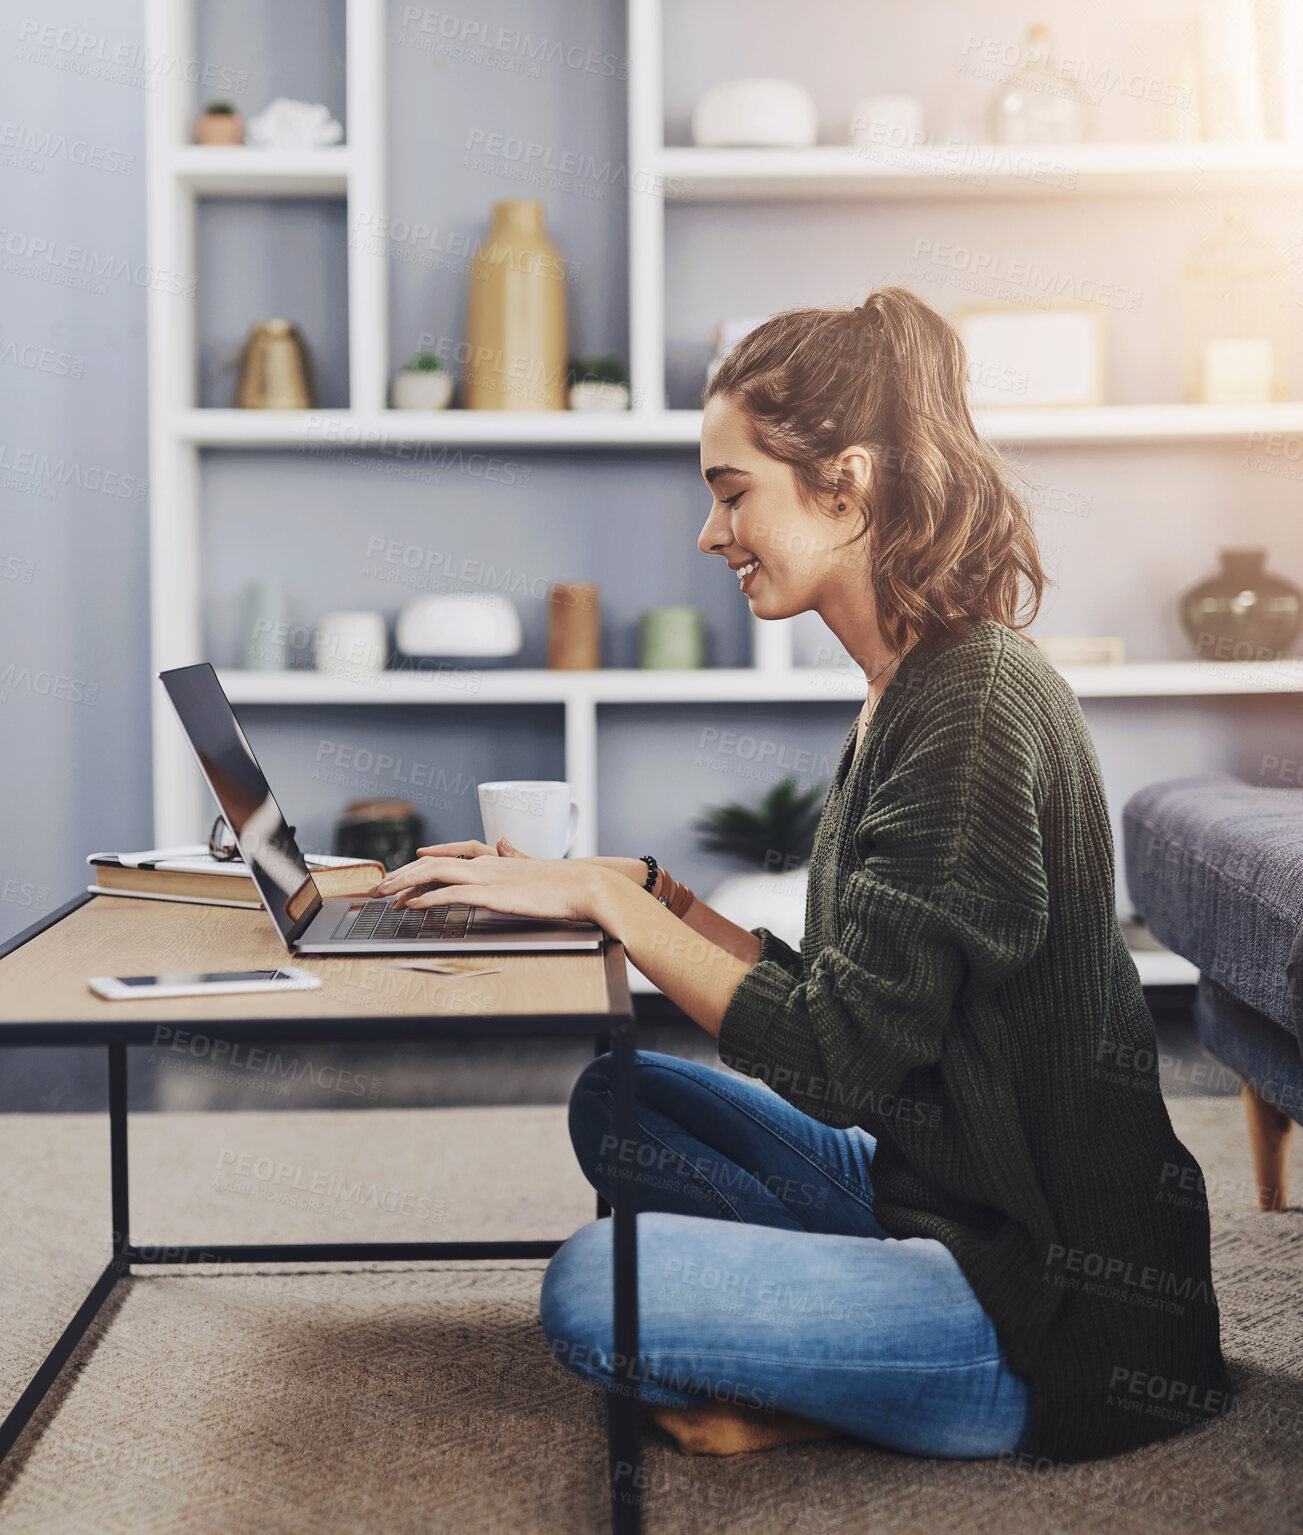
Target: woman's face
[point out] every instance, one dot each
(759, 514)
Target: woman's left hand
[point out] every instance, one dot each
(529, 887)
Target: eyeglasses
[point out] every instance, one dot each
(221, 841)
(221, 844)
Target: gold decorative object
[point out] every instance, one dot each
(275, 369)
(516, 315)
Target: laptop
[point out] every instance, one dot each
(307, 922)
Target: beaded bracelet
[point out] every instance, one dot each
(673, 893)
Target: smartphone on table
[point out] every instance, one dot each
(211, 983)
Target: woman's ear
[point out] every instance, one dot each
(854, 471)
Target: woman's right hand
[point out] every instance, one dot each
(470, 849)
(632, 868)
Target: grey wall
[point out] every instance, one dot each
(259, 259)
(433, 758)
(1129, 250)
(935, 49)
(74, 771)
(448, 101)
(375, 531)
(271, 48)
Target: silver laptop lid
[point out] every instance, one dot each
(228, 764)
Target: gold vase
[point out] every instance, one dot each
(516, 315)
(275, 370)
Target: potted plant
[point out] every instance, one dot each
(775, 839)
(422, 384)
(598, 383)
(220, 124)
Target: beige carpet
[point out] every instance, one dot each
(423, 1399)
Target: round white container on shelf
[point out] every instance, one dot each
(759, 113)
(459, 624)
(422, 391)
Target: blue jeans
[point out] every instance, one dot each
(764, 1278)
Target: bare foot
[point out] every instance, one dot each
(721, 1428)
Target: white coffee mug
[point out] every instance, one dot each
(351, 646)
(887, 122)
(537, 815)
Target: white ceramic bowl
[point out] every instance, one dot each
(772, 114)
(459, 624)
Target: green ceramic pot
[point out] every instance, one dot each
(671, 639)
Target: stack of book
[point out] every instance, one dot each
(192, 874)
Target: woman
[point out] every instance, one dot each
(943, 1216)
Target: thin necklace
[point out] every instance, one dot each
(895, 661)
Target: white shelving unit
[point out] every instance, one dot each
(210, 171)
(180, 173)
(681, 429)
(454, 684)
(356, 430)
(963, 168)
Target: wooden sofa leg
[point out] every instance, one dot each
(1269, 1134)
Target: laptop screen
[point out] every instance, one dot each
(265, 841)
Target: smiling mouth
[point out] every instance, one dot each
(745, 573)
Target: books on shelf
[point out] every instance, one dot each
(193, 875)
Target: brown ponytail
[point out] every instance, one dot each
(952, 539)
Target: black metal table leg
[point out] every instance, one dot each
(118, 1183)
(601, 1045)
(48, 1370)
(621, 1405)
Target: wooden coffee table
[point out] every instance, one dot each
(44, 1000)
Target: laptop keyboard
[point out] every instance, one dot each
(377, 920)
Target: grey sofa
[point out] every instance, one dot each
(1214, 865)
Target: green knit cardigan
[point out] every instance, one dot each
(964, 993)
